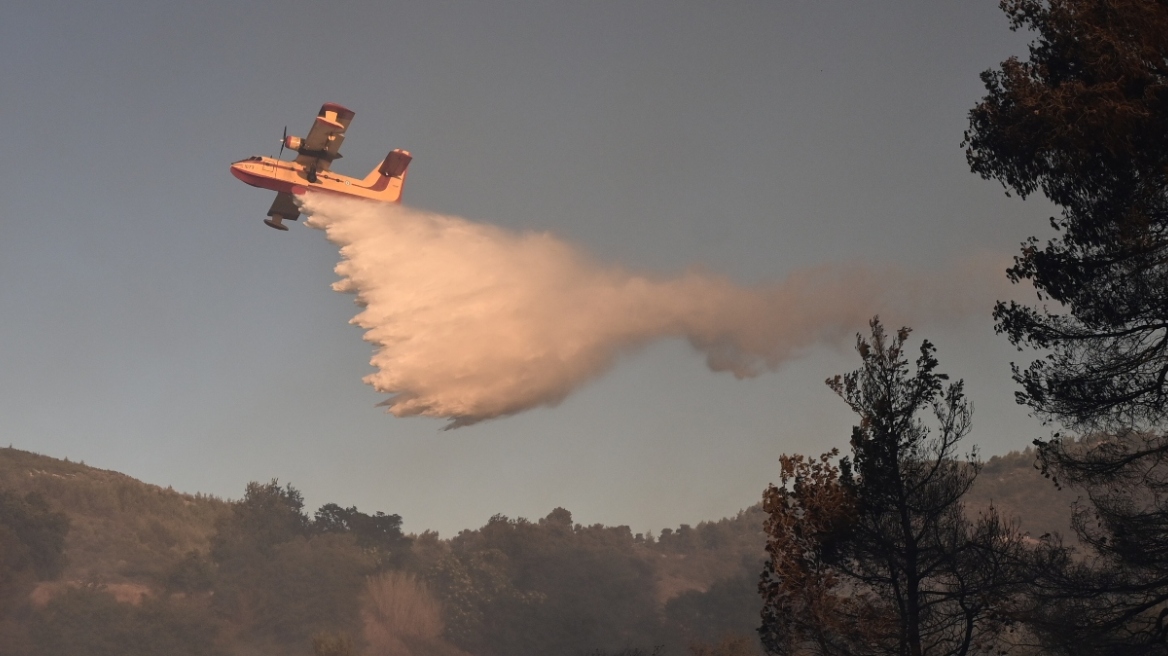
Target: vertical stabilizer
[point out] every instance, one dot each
(387, 179)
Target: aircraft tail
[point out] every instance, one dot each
(390, 175)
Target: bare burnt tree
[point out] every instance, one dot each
(876, 555)
(1085, 121)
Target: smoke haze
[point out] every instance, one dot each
(470, 321)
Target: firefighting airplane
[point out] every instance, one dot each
(310, 169)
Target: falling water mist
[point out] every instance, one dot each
(470, 321)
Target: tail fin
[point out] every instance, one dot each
(389, 177)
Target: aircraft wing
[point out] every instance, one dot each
(323, 143)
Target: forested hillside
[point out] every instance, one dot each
(148, 570)
(1015, 487)
(121, 530)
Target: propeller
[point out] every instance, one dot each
(283, 140)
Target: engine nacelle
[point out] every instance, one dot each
(293, 143)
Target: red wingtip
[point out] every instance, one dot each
(342, 112)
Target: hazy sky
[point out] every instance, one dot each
(151, 324)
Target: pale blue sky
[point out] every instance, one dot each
(151, 324)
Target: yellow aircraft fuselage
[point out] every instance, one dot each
(293, 178)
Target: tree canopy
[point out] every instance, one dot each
(1084, 120)
(32, 537)
(875, 554)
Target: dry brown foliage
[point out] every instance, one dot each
(397, 611)
(805, 513)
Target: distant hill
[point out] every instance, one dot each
(1018, 490)
(121, 529)
(127, 531)
(512, 586)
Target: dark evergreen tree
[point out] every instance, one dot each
(32, 548)
(876, 555)
(1085, 121)
(378, 533)
(267, 515)
(276, 580)
(32, 537)
(88, 621)
(728, 607)
(521, 587)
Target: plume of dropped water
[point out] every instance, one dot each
(471, 321)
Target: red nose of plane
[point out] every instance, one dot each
(266, 175)
(241, 171)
